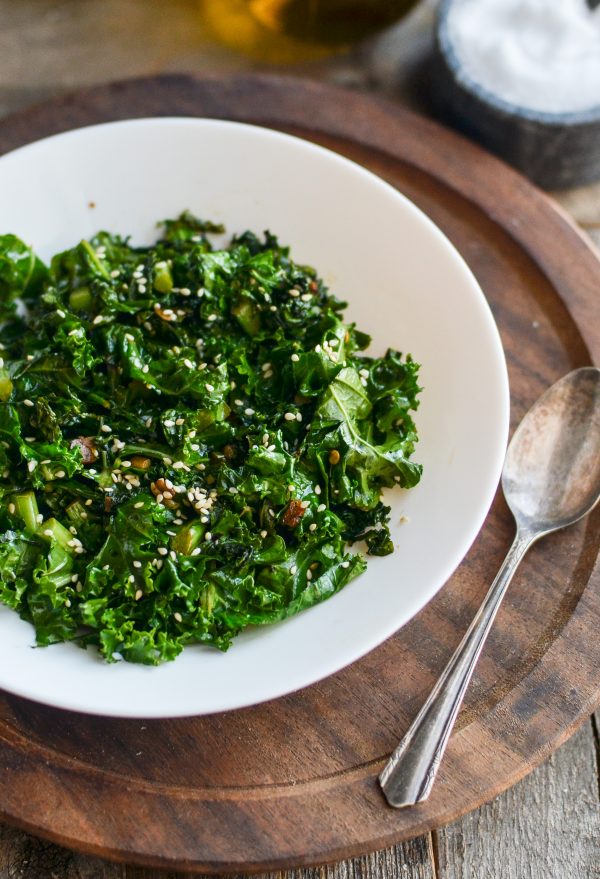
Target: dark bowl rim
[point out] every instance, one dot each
(507, 108)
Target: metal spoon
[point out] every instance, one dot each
(551, 478)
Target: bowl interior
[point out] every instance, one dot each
(405, 285)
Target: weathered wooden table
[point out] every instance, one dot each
(548, 826)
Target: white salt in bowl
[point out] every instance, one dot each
(555, 150)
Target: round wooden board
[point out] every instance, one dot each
(294, 781)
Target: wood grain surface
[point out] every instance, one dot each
(154, 792)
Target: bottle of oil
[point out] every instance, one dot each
(291, 30)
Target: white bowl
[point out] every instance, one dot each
(405, 284)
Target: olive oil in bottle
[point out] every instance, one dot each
(293, 30)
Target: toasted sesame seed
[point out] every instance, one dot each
(290, 416)
(179, 421)
(28, 402)
(162, 550)
(139, 593)
(178, 617)
(295, 358)
(89, 502)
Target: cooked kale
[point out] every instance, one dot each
(189, 439)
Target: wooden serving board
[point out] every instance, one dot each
(293, 781)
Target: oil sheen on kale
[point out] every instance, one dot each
(189, 440)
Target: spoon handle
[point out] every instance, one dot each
(410, 772)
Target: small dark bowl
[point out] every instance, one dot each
(555, 150)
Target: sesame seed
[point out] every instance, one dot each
(98, 319)
(106, 428)
(89, 502)
(321, 507)
(158, 564)
(139, 593)
(306, 297)
(31, 465)
(269, 374)
(67, 602)
(364, 373)
(72, 529)
(305, 504)
(271, 512)
(137, 564)
(196, 551)
(293, 292)
(145, 369)
(30, 357)
(131, 578)
(173, 555)
(125, 463)
(188, 363)
(179, 421)
(298, 416)
(208, 536)
(209, 388)
(263, 534)
(248, 411)
(180, 465)
(139, 505)
(162, 550)
(309, 574)
(92, 472)
(11, 509)
(295, 358)
(178, 617)
(60, 312)
(293, 570)
(271, 448)
(345, 564)
(28, 402)
(115, 273)
(168, 423)
(48, 533)
(290, 416)
(60, 474)
(265, 367)
(1, 362)
(317, 489)
(39, 518)
(129, 337)
(312, 527)
(272, 308)
(78, 586)
(212, 317)
(159, 498)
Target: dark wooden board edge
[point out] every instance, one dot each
(527, 214)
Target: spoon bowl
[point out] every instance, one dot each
(551, 475)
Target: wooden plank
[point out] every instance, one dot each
(25, 857)
(547, 827)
